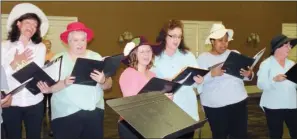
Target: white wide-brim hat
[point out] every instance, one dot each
(24, 8)
(218, 31)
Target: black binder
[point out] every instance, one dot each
(83, 68)
(49, 73)
(236, 61)
(185, 77)
(16, 90)
(292, 74)
(153, 115)
(157, 84)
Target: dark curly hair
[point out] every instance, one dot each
(170, 25)
(15, 33)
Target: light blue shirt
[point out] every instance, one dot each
(276, 95)
(219, 91)
(167, 67)
(75, 97)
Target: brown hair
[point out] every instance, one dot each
(170, 25)
(133, 61)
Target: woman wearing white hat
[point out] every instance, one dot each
(26, 25)
(223, 96)
(279, 97)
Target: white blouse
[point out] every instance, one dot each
(23, 98)
(276, 95)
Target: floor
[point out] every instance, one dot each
(257, 128)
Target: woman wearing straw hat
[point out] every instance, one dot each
(77, 110)
(170, 59)
(26, 25)
(279, 97)
(223, 96)
(139, 56)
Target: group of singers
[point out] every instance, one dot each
(77, 111)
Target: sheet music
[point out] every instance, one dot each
(53, 68)
(258, 56)
(183, 80)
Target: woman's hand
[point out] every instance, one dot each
(97, 76)
(6, 101)
(198, 79)
(169, 95)
(44, 88)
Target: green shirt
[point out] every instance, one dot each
(75, 97)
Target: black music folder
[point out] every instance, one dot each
(292, 74)
(49, 73)
(83, 68)
(185, 77)
(16, 90)
(153, 115)
(162, 85)
(235, 62)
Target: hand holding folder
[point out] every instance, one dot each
(16, 90)
(186, 75)
(292, 74)
(235, 62)
(84, 67)
(162, 85)
(49, 73)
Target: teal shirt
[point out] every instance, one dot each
(167, 67)
(75, 97)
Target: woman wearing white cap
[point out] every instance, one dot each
(279, 97)
(223, 96)
(26, 25)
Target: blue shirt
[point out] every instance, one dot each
(220, 91)
(75, 97)
(276, 95)
(167, 67)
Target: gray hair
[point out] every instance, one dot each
(72, 32)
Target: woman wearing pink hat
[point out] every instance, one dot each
(223, 96)
(26, 26)
(77, 110)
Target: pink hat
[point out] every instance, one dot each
(76, 26)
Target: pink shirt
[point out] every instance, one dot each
(132, 81)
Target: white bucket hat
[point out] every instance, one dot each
(217, 31)
(23, 8)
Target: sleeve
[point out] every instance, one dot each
(6, 58)
(40, 54)
(193, 63)
(265, 82)
(200, 61)
(4, 85)
(128, 87)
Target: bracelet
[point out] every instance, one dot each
(104, 81)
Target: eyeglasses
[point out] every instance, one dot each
(175, 37)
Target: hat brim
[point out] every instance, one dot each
(155, 49)
(219, 34)
(64, 35)
(293, 43)
(25, 8)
